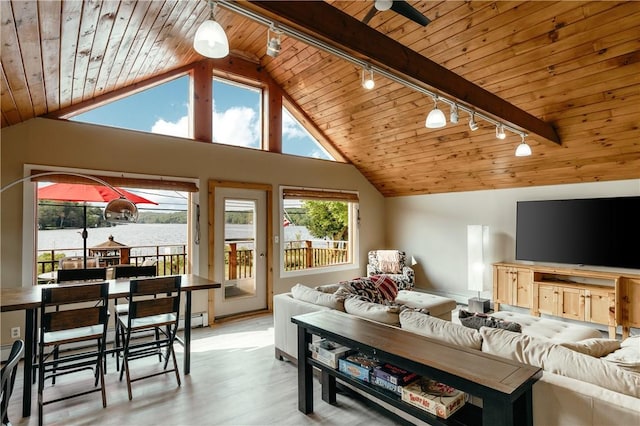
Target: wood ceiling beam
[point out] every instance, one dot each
(329, 24)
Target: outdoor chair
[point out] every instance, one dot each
(9, 378)
(71, 315)
(77, 262)
(80, 275)
(127, 271)
(393, 264)
(159, 314)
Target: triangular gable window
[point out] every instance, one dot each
(296, 140)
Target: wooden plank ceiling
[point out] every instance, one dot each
(572, 64)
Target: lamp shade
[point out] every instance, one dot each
(523, 150)
(477, 240)
(210, 40)
(435, 119)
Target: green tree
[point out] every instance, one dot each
(327, 219)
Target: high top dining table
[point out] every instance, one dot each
(28, 299)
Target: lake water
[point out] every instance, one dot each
(142, 234)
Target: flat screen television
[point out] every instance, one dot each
(596, 231)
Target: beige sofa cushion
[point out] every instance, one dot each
(595, 347)
(515, 346)
(557, 359)
(439, 329)
(307, 294)
(372, 311)
(628, 356)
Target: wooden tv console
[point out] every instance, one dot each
(608, 298)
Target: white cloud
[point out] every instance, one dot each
(236, 126)
(290, 127)
(179, 128)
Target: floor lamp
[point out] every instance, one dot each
(477, 241)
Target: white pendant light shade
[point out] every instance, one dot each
(523, 150)
(435, 119)
(210, 40)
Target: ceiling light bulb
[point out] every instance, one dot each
(436, 118)
(273, 42)
(523, 150)
(472, 123)
(382, 5)
(367, 79)
(500, 134)
(453, 117)
(210, 39)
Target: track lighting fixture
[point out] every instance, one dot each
(436, 118)
(453, 116)
(367, 78)
(274, 43)
(210, 39)
(472, 122)
(523, 150)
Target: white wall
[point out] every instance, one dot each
(85, 146)
(433, 228)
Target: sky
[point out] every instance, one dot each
(164, 109)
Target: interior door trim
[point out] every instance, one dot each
(213, 184)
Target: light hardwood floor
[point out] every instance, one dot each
(235, 380)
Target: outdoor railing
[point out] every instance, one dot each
(169, 259)
(239, 257)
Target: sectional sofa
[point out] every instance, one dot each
(583, 381)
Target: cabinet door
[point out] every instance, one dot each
(571, 303)
(547, 299)
(600, 307)
(502, 288)
(630, 301)
(522, 291)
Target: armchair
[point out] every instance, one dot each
(393, 264)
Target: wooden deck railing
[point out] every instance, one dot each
(169, 259)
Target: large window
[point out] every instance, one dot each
(296, 140)
(319, 230)
(237, 115)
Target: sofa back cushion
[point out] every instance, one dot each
(440, 329)
(557, 359)
(372, 311)
(515, 346)
(310, 295)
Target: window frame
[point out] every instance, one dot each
(352, 198)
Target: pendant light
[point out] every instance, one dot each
(210, 39)
(367, 79)
(523, 150)
(436, 118)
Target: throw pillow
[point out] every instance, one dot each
(372, 311)
(628, 356)
(477, 320)
(387, 287)
(307, 294)
(439, 329)
(328, 288)
(362, 287)
(593, 347)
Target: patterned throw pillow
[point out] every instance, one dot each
(363, 287)
(477, 320)
(386, 286)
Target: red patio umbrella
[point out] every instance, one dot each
(86, 193)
